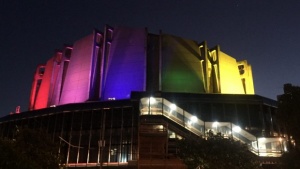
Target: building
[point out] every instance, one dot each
(288, 106)
(122, 96)
(109, 65)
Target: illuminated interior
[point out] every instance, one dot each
(261, 146)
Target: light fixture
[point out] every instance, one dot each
(262, 139)
(236, 129)
(152, 100)
(194, 119)
(173, 107)
(215, 124)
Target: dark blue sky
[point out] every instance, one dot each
(264, 32)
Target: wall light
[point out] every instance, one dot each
(173, 106)
(194, 119)
(151, 100)
(215, 124)
(262, 139)
(236, 129)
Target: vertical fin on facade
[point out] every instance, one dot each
(55, 77)
(36, 83)
(107, 40)
(95, 79)
(153, 63)
(245, 71)
(203, 62)
(59, 82)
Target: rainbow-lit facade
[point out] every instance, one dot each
(110, 65)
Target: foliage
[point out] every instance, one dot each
(291, 160)
(216, 152)
(10, 158)
(29, 150)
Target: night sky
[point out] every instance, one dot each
(264, 32)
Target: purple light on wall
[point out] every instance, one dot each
(126, 63)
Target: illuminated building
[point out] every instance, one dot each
(108, 65)
(124, 95)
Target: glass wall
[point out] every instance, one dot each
(93, 136)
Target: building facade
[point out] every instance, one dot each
(109, 65)
(121, 97)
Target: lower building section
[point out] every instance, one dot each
(156, 148)
(141, 132)
(87, 135)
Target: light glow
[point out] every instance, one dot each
(194, 119)
(215, 124)
(236, 129)
(152, 100)
(173, 107)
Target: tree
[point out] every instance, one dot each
(10, 158)
(291, 160)
(216, 152)
(30, 149)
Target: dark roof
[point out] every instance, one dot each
(135, 96)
